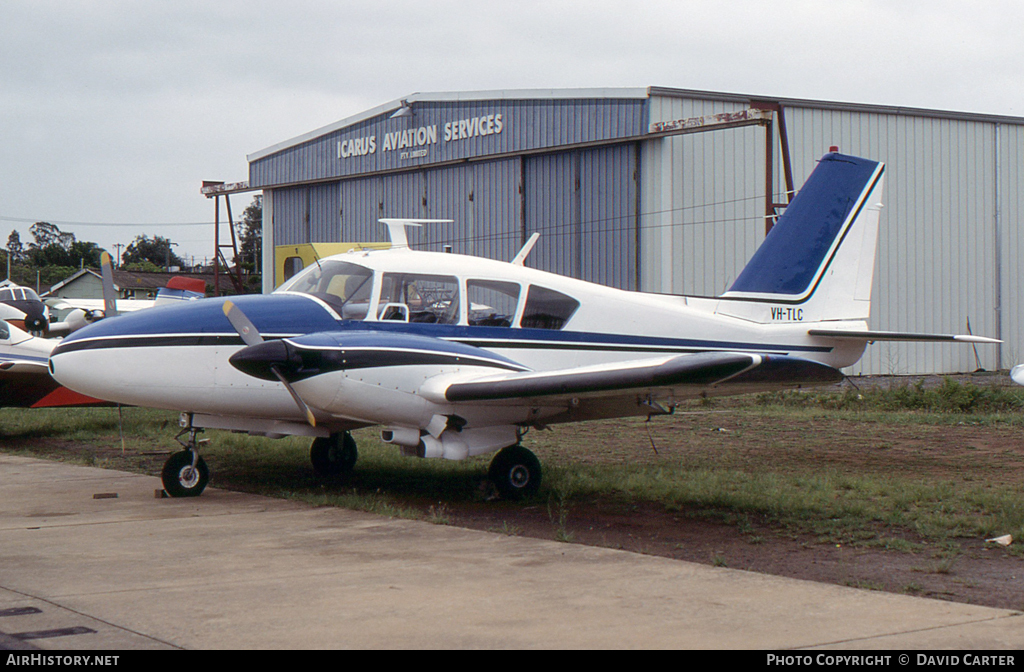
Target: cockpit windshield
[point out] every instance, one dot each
(346, 287)
(18, 294)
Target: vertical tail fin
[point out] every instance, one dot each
(819, 259)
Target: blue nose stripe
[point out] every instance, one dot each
(271, 315)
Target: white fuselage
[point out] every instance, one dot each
(177, 358)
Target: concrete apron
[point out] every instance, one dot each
(237, 571)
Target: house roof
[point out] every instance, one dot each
(143, 280)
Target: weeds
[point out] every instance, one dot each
(950, 396)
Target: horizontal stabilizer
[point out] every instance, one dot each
(867, 335)
(694, 371)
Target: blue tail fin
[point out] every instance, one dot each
(824, 243)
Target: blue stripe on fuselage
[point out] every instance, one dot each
(277, 315)
(270, 314)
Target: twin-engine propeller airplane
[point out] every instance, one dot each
(22, 307)
(457, 356)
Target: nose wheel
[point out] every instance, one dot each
(185, 473)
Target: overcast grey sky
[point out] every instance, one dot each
(114, 111)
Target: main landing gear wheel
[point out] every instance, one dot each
(181, 478)
(515, 472)
(334, 455)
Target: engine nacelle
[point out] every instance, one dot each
(451, 444)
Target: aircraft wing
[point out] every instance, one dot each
(653, 378)
(123, 305)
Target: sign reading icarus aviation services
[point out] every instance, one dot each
(413, 142)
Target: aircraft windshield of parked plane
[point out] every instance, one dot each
(456, 356)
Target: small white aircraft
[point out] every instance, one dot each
(456, 356)
(23, 307)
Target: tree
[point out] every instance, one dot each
(46, 234)
(156, 250)
(52, 256)
(250, 236)
(14, 247)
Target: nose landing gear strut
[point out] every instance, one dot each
(185, 473)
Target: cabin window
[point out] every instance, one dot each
(431, 299)
(343, 286)
(547, 309)
(491, 303)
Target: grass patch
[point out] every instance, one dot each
(870, 467)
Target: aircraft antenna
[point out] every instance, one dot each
(520, 258)
(396, 228)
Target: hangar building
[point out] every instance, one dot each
(668, 190)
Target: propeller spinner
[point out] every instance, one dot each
(251, 337)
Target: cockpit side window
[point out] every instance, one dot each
(491, 303)
(5, 333)
(547, 309)
(345, 287)
(432, 299)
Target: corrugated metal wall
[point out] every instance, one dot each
(525, 126)
(938, 254)
(950, 246)
(483, 200)
(307, 214)
(1011, 241)
(583, 203)
(702, 203)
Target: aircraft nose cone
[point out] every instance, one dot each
(257, 360)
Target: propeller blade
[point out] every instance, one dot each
(109, 295)
(242, 324)
(295, 395)
(251, 336)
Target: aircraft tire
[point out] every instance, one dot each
(179, 479)
(334, 455)
(515, 472)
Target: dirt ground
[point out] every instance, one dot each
(979, 572)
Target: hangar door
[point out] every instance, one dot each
(584, 205)
(481, 198)
(307, 214)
